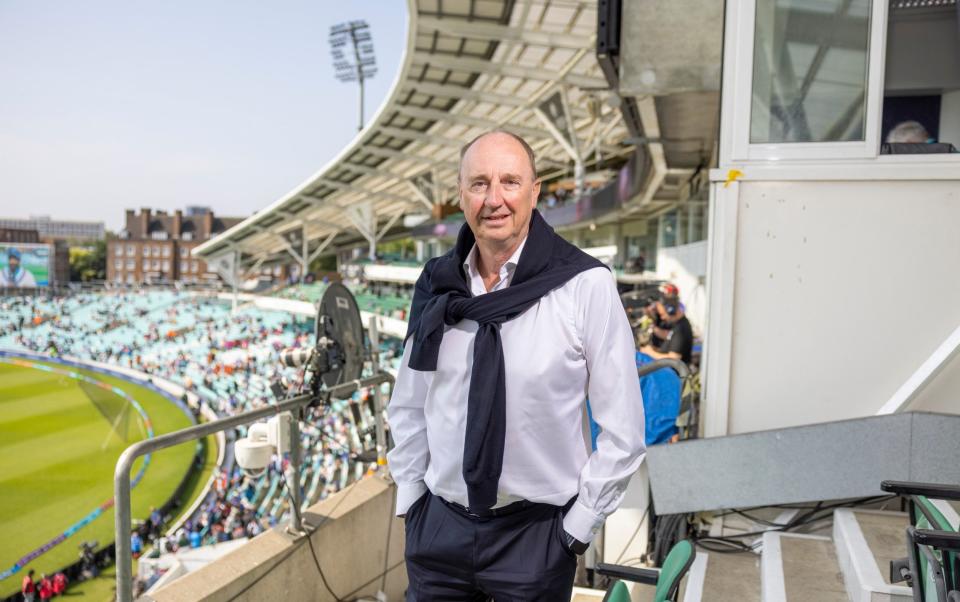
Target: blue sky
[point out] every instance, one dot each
(108, 105)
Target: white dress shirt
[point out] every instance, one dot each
(573, 343)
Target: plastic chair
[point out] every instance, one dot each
(666, 579)
(932, 565)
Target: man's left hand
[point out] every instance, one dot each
(574, 545)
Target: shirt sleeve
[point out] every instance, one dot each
(615, 402)
(408, 427)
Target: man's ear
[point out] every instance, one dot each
(536, 192)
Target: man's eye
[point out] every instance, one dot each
(511, 184)
(478, 186)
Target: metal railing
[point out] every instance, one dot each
(121, 479)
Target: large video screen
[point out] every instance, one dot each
(24, 265)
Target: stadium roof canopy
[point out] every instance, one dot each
(469, 66)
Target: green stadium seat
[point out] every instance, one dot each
(932, 565)
(666, 579)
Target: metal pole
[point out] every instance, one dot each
(235, 277)
(378, 395)
(293, 476)
(121, 476)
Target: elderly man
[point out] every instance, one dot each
(509, 333)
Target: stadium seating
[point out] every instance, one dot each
(229, 361)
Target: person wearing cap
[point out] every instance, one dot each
(508, 334)
(673, 335)
(15, 275)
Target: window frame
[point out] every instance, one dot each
(738, 94)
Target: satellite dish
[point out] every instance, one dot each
(338, 321)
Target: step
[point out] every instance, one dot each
(866, 541)
(726, 578)
(800, 568)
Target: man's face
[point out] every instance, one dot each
(14, 262)
(497, 189)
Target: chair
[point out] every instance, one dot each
(932, 565)
(666, 579)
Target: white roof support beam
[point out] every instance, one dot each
(454, 118)
(461, 93)
(390, 222)
(361, 191)
(419, 195)
(489, 31)
(392, 154)
(421, 137)
(322, 247)
(473, 65)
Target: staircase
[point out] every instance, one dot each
(848, 562)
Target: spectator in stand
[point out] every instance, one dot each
(195, 538)
(673, 334)
(28, 588)
(59, 584)
(156, 522)
(136, 545)
(46, 588)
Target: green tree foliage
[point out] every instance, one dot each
(89, 263)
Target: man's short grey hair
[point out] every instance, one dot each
(908, 131)
(523, 143)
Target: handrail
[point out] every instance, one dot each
(121, 478)
(668, 362)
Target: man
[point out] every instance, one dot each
(672, 332)
(28, 588)
(15, 274)
(509, 332)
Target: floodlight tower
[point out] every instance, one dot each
(356, 63)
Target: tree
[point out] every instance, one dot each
(89, 263)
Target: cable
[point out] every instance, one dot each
(313, 551)
(635, 531)
(800, 520)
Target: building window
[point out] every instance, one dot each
(166, 265)
(184, 252)
(156, 264)
(158, 235)
(156, 251)
(193, 266)
(131, 250)
(130, 279)
(183, 266)
(810, 71)
(118, 264)
(118, 251)
(166, 251)
(130, 264)
(187, 236)
(146, 265)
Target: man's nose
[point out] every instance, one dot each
(493, 198)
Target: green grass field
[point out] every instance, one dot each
(57, 457)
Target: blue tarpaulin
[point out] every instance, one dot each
(661, 403)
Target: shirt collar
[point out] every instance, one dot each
(506, 272)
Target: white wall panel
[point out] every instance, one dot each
(842, 289)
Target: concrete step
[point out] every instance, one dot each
(800, 568)
(866, 542)
(726, 578)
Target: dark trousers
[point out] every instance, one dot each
(453, 556)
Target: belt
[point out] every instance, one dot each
(490, 512)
